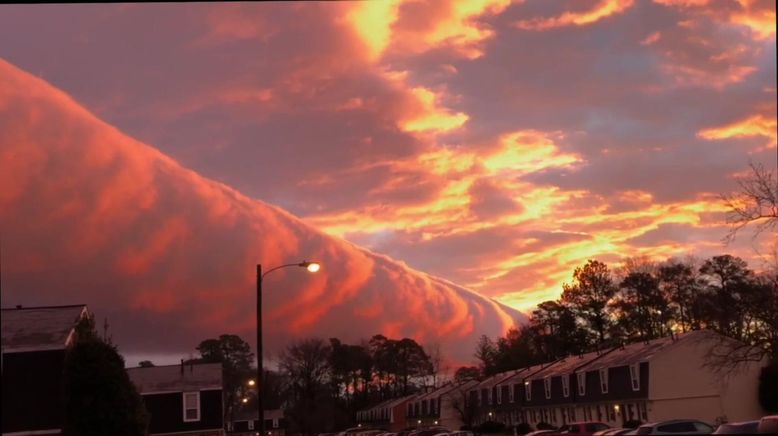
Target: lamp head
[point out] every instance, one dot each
(310, 266)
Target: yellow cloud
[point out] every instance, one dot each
(756, 125)
(603, 9)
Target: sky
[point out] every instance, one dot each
(449, 162)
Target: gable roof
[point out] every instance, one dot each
(570, 364)
(171, 378)
(637, 352)
(39, 328)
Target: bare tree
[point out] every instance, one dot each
(756, 203)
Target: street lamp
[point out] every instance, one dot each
(311, 267)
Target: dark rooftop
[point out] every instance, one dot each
(39, 328)
(170, 378)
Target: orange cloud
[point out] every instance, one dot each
(170, 255)
(601, 10)
(756, 125)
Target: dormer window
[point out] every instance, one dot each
(604, 380)
(191, 406)
(566, 385)
(634, 375)
(547, 387)
(528, 390)
(581, 383)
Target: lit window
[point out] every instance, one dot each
(547, 386)
(634, 375)
(191, 406)
(604, 380)
(566, 385)
(581, 383)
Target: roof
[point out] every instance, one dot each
(391, 403)
(638, 351)
(497, 379)
(569, 365)
(39, 328)
(171, 378)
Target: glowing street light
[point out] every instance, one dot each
(245, 400)
(252, 383)
(311, 267)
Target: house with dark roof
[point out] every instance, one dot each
(389, 414)
(443, 406)
(34, 344)
(661, 379)
(247, 424)
(182, 399)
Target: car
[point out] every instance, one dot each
(745, 427)
(461, 433)
(430, 431)
(675, 426)
(587, 428)
(541, 432)
(614, 431)
(768, 425)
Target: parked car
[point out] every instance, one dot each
(675, 426)
(582, 428)
(745, 427)
(614, 431)
(461, 433)
(541, 432)
(431, 431)
(768, 425)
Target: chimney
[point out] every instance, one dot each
(182, 366)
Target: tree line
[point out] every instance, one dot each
(644, 300)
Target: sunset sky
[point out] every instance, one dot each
(449, 162)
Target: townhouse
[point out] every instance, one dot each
(389, 415)
(665, 378)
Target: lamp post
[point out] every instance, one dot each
(311, 267)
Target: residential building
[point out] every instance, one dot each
(661, 379)
(389, 415)
(443, 406)
(34, 344)
(246, 423)
(182, 399)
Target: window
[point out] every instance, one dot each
(528, 390)
(581, 383)
(499, 394)
(604, 380)
(191, 406)
(547, 387)
(251, 425)
(634, 375)
(275, 422)
(678, 427)
(229, 426)
(566, 385)
(488, 396)
(510, 392)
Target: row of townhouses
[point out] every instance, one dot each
(180, 399)
(665, 378)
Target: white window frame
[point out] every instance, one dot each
(634, 375)
(547, 387)
(528, 390)
(183, 397)
(565, 385)
(499, 394)
(510, 392)
(604, 380)
(275, 422)
(251, 424)
(581, 383)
